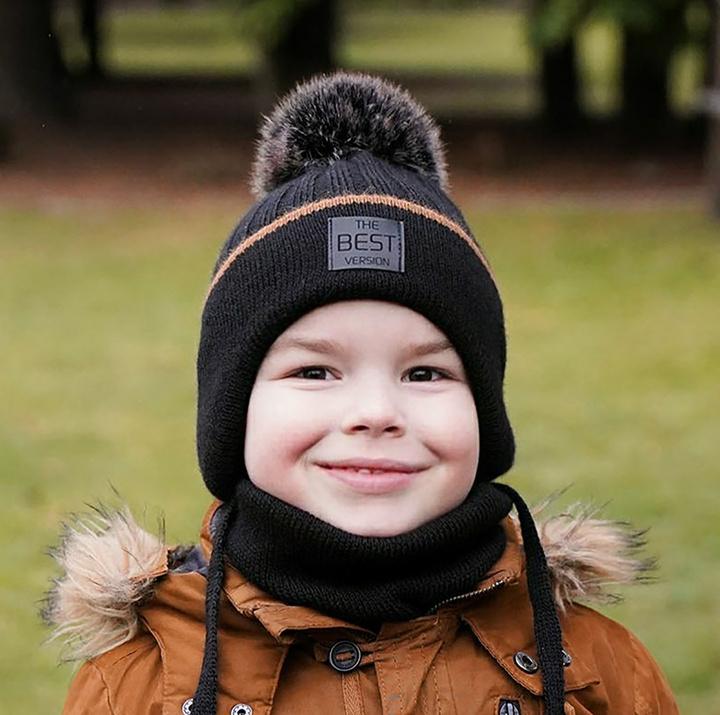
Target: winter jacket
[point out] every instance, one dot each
(135, 609)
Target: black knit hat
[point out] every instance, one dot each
(352, 204)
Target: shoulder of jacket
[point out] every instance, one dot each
(653, 695)
(623, 665)
(125, 679)
(111, 567)
(115, 662)
(584, 627)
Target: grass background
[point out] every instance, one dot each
(613, 387)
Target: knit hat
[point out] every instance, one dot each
(351, 204)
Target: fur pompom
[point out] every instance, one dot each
(333, 116)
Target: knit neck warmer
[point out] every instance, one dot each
(367, 581)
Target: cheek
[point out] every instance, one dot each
(455, 425)
(278, 434)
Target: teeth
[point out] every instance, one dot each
(365, 470)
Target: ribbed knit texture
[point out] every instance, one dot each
(304, 561)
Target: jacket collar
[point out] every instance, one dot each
(114, 571)
(284, 622)
(498, 612)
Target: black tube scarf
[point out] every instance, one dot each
(305, 561)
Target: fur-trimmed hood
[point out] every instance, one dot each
(110, 566)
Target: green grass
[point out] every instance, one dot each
(613, 387)
(211, 41)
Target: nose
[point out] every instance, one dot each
(374, 409)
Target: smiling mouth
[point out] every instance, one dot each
(374, 476)
(374, 466)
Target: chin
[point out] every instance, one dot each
(379, 527)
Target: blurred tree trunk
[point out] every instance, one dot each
(305, 46)
(90, 22)
(713, 108)
(644, 87)
(33, 81)
(645, 104)
(711, 59)
(560, 87)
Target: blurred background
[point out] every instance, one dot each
(583, 149)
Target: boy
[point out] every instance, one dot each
(351, 422)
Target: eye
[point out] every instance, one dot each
(425, 374)
(313, 372)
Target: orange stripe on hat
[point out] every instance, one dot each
(345, 200)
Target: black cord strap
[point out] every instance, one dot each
(205, 698)
(548, 634)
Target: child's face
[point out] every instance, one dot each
(361, 415)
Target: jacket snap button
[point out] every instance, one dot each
(525, 662)
(567, 658)
(241, 709)
(509, 707)
(187, 707)
(344, 656)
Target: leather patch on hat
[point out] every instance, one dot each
(366, 242)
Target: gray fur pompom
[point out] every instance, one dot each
(333, 116)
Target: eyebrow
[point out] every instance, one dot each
(316, 345)
(430, 348)
(329, 347)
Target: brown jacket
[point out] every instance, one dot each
(138, 615)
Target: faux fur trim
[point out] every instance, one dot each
(587, 557)
(111, 566)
